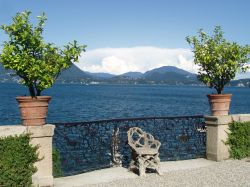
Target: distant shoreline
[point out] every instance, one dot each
(124, 84)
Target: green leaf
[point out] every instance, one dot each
(38, 63)
(219, 60)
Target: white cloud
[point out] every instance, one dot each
(113, 64)
(121, 60)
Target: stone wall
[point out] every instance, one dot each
(217, 134)
(42, 136)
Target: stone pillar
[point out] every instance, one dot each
(42, 136)
(217, 134)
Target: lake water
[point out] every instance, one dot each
(74, 103)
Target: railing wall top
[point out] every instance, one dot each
(129, 119)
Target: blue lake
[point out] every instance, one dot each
(73, 103)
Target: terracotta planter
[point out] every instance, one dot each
(219, 104)
(33, 109)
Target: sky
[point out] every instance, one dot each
(133, 35)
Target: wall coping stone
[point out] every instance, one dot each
(11, 130)
(35, 131)
(225, 120)
(41, 131)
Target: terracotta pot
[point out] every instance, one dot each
(219, 104)
(33, 109)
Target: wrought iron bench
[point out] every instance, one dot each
(145, 151)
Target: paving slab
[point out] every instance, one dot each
(118, 173)
(94, 177)
(231, 173)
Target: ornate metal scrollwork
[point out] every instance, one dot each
(116, 157)
(92, 145)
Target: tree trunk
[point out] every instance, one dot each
(38, 93)
(219, 90)
(32, 90)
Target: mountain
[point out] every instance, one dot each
(164, 75)
(240, 83)
(7, 76)
(127, 78)
(131, 74)
(2, 70)
(101, 75)
(168, 69)
(74, 75)
(71, 75)
(170, 75)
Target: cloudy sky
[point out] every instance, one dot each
(133, 35)
(143, 58)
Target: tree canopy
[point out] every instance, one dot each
(218, 59)
(38, 63)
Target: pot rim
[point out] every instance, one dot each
(218, 95)
(29, 98)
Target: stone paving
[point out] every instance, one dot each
(196, 172)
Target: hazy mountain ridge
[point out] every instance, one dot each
(7, 76)
(169, 69)
(164, 75)
(168, 75)
(133, 74)
(240, 83)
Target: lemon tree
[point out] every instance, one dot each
(36, 62)
(218, 59)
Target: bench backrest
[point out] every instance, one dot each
(137, 138)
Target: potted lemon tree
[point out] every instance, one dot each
(36, 62)
(219, 60)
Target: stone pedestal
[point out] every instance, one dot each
(42, 136)
(217, 134)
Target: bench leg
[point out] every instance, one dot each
(157, 162)
(142, 168)
(142, 171)
(158, 170)
(131, 165)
